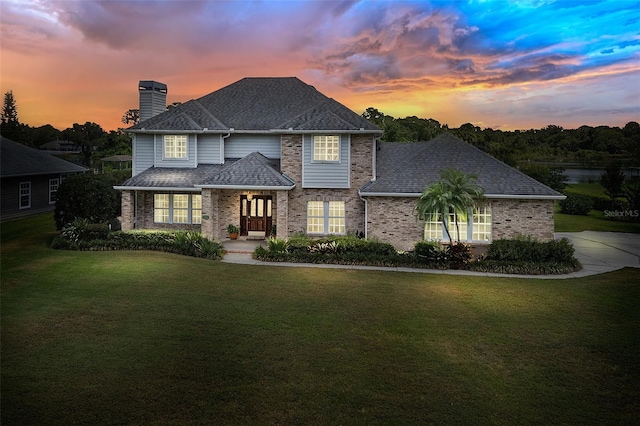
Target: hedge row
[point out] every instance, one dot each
(81, 235)
(513, 256)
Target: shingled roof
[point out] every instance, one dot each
(20, 160)
(408, 168)
(254, 171)
(260, 104)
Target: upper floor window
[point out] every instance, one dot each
(326, 148)
(175, 146)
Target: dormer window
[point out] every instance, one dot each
(326, 148)
(175, 147)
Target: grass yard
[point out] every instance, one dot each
(156, 338)
(595, 220)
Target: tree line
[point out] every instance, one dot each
(93, 141)
(586, 145)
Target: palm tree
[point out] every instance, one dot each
(464, 193)
(456, 191)
(434, 204)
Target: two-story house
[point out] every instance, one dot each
(274, 155)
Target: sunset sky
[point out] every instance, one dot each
(506, 64)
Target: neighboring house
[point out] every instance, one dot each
(60, 147)
(275, 156)
(117, 162)
(30, 179)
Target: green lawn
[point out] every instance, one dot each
(595, 220)
(156, 338)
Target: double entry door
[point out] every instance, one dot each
(256, 215)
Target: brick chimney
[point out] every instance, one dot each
(153, 98)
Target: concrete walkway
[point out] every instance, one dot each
(599, 252)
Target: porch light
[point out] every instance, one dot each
(249, 197)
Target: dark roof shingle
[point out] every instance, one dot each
(20, 160)
(274, 103)
(254, 170)
(411, 167)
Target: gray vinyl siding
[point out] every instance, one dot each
(190, 161)
(10, 195)
(239, 146)
(325, 174)
(142, 153)
(209, 149)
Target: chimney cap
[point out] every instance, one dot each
(152, 85)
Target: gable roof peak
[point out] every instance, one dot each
(261, 104)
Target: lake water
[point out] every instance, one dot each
(591, 175)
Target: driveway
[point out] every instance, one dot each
(604, 251)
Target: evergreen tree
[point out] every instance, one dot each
(9, 125)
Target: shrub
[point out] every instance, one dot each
(277, 245)
(527, 249)
(188, 243)
(86, 196)
(430, 251)
(524, 268)
(459, 255)
(576, 204)
(354, 244)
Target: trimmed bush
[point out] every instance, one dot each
(576, 204)
(518, 256)
(188, 243)
(527, 249)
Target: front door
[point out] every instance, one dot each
(255, 215)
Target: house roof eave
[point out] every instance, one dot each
(525, 197)
(277, 131)
(158, 188)
(248, 187)
(491, 196)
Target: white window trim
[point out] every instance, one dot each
(165, 157)
(470, 229)
(313, 149)
(51, 191)
(325, 216)
(190, 209)
(20, 195)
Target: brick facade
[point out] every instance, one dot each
(361, 170)
(127, 210)
(390, 219)
(513, 218)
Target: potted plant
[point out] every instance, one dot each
(233, 231)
